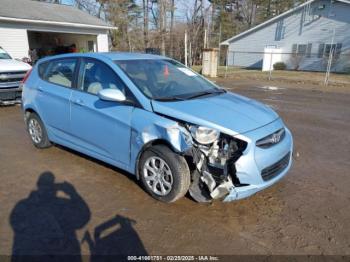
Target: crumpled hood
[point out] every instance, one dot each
(228, 112)
(12, 65)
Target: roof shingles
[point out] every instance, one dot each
(41, 11)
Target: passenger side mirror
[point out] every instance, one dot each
(114, 95)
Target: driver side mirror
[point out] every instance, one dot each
(113, 95)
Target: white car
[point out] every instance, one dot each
(12, 72)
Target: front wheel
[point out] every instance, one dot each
(164, 174)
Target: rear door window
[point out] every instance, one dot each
(61, 72)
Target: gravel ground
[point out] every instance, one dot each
(305, 213)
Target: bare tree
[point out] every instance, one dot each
(145, 7)
(162, 24)
(172, 10)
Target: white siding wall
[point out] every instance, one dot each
(14, 38)
(14, 41)
(298, 32)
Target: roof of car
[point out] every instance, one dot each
(109, 55)
(130, 56)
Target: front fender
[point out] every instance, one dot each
(148, 127)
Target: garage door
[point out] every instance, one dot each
(14, 41)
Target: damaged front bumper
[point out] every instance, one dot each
(259, 168)
(256, 168)
(237, 193)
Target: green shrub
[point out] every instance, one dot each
(279, 66)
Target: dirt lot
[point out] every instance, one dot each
(306, 213)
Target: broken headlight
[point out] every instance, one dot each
(204, 135)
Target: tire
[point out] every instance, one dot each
(174, 176)
(37, 131)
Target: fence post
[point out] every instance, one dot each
(185, 42)
(270, 73)
(226, 66)
(329, 66)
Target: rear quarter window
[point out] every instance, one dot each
(42, 69)
(59, 72)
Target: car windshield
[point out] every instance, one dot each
(3, 54)
(166, 80)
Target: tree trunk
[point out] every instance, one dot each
(145, 23)
(162, 22)
(172, 10)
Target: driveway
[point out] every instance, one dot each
(103, 209)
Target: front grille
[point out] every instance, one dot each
(10, 95)
(275, 169)
(10, 80)
(11, 77)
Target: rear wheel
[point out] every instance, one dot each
(37, 131)
(164, 174)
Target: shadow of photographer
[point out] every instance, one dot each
(115, 238)
(45, 223)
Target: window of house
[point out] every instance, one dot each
(321, 50)
(294, 49)
(280, 30)
(302, 50)
(336, 48)
(324, 50)
(309, 50)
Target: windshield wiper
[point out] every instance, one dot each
(219, 91)
(168, 99)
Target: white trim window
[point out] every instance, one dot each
(324, 50)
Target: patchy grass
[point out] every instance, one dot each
(295, 77)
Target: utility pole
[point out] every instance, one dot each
(185, 48)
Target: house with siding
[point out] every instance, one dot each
(32, 25)
(306, 38)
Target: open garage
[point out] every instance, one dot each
(50, 43)
(48, 29)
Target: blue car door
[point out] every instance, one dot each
(100, 128)
(53, 95)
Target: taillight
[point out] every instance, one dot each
(26, 76)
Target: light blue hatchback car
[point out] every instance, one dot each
(157, 119)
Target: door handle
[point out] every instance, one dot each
(78, 102)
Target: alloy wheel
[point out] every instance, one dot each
(158, 175)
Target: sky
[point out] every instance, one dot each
(182, 7)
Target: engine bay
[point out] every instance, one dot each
(214, 173)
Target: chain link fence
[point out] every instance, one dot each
(328, 68)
